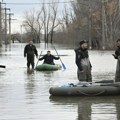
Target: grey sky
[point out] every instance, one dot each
(19, 10)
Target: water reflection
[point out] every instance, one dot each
(30, 71)
(92, 108)
(30, 86)
(25, 94)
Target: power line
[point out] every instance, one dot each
(37, 3)
(46, 3)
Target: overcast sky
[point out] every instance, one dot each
(19, 9)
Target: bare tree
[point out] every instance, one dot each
(33, 24)
(50, 21)
(46, 20)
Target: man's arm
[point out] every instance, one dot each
(78, 61)
(56, 58)
(115, 56)
(117, 53)
(36, 52)
(42, 57)
(25, 51)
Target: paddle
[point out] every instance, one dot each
(60, 58)
(38, 59)
(2, 66)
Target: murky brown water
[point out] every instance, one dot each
(25, 96)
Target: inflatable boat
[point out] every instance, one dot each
(48, 67)
(86, 89)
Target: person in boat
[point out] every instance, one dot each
(83, 62)
(48, 58)
(30, 51)
(117, 56)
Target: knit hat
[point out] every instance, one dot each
(82, 42)
(118, 40)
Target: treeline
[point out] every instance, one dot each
(97, 21)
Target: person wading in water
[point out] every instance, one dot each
(83, 62)
(117, 56)
(29, 51)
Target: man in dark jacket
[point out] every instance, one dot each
(29, 51)
(83, 62)
(117, 56)
(48, 58)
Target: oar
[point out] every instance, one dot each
(60, 58)
(38, 59)
(2, 66)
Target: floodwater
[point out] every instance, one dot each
(25, 95)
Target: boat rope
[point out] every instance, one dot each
(91, 94)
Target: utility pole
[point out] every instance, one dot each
(103, 25)
(89, 22)
(21, 33)
(6, 41)
(10, 14)
(1, 23)
(119, 4)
